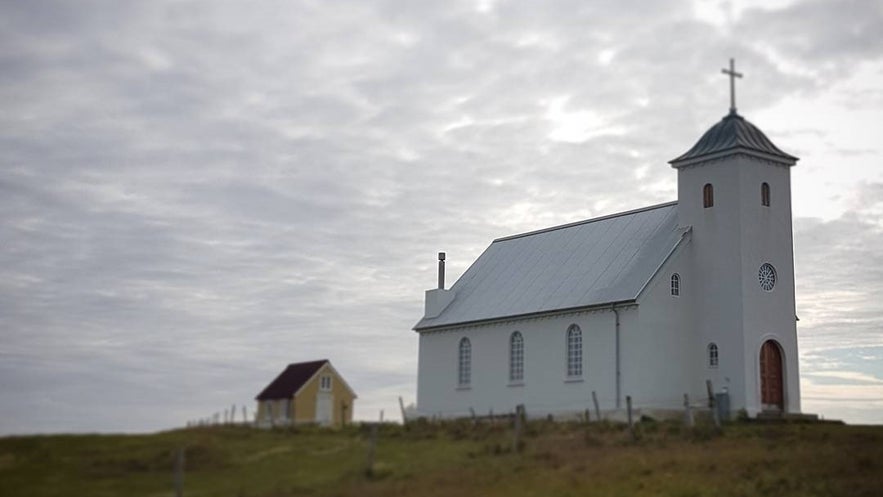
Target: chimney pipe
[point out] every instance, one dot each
(441, 270)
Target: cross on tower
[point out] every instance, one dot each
(733, 75)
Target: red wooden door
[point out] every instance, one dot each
(771, 391)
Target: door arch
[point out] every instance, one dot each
(772, 390)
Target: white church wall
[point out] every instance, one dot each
(730, 242)
(660, 363)
(767, 238)
(545, 389)
(717, 266)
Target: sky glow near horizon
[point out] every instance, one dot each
(195, 194)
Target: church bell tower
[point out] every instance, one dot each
(734, 190)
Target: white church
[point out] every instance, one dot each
(650, 303)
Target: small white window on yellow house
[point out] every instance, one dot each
(325, 383)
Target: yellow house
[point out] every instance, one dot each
(306, 392)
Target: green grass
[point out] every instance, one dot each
(456, 458)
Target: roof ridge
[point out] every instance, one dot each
(586, 221)
(306, 362)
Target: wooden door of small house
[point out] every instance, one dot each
(771, 390)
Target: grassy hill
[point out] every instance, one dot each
(458, 459)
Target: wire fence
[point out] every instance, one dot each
(608, 406)
(234, 415)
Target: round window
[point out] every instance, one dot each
(767, 277)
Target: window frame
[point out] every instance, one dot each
(713, 354)
(574, 351)
(675, 285)
(708, 196)
(325, 383)
(767, 277)
(516, 358)
(464, 363)
(765, 194)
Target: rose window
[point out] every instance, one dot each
(767, 277)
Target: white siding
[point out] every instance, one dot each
(729, 243)
(545, 388)
(766, 237)
(659, 352)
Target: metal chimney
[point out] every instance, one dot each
(441, 270)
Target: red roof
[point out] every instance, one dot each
(289, 381)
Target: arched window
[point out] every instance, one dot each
(765, 194)
(574, 351)
(707, 195)
(712, 355)
(464, 363)
(516, 357)
(675, 285)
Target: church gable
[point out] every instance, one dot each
(579, 265)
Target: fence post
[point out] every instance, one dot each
(516, 447)
(179, 472)
(597, 409)
(628, 404)
(711, 404)
(472, 414)
(402, 407)
(372, 446)
(688, 413)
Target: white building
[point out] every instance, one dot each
(648, 303)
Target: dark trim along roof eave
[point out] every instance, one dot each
(787, 160)
(567, 310)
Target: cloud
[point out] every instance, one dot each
(840, 273)
(195, 194)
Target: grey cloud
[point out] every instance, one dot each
(195, 194)
(840, 274)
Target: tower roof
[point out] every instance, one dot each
(733, 134)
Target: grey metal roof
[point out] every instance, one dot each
(589, 263)
(732, 134)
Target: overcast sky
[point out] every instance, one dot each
(194, 194)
